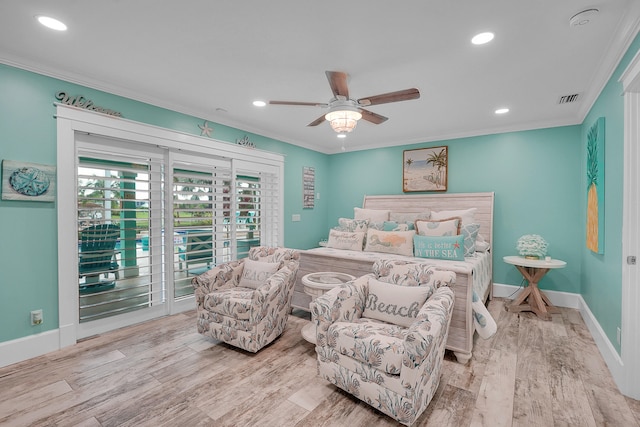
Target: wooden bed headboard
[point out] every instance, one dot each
(439, 202)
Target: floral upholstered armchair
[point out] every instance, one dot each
(246, 303)
(382, 336)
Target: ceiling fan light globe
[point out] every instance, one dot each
(343, 121)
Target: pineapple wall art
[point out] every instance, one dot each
(595, 187)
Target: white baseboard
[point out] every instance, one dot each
(570, 300)
(608, 351)
(561, 299)
(31, 346)
(28, 347)
(36, 345)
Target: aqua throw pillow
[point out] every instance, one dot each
(470, 233)
(441, 247)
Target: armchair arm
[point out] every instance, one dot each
(443, 278)
(426, 335)
(344, 302)
(275, 292)
(216, 278)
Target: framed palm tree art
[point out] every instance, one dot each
(425, 169)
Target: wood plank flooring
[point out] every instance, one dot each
(162, 373)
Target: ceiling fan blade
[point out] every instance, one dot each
(309, 104)
(385, 98)
(372, 117)
(338, 83)
(317, 121)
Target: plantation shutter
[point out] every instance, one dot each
(258, 199)
(201, 218)
(123, 193)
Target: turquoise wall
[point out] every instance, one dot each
(28, 255)
(601, 275)
(535, 176)
(538, 178)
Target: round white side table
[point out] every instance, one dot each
(316, 284)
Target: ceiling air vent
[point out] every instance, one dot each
(566, 99)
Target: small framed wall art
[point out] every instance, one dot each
(308, 187)
(28, 181)
(425, 169)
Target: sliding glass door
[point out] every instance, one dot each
(120, 217)
(148, 220)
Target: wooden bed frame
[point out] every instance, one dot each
(461, 331)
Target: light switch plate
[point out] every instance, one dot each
(295, 217)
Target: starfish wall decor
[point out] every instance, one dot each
(206, 130)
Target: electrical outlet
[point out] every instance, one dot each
(295, 217)
(36, 317)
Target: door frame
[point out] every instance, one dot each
(71, 121)
(627, 373)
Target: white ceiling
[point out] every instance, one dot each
(211, 59)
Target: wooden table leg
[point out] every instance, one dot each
(537, 301)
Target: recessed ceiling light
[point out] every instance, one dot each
(482, 38)
(502, 111)
(52, 23)
(342, 135)
(259, 103)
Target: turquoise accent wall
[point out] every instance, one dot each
(601, 274)
(535, 176)
(28, 255)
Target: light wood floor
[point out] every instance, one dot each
(162, 373)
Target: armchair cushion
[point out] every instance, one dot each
(394, 304)
(232, 302)
(256, 273)
(377, 344)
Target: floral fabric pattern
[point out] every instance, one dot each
(244, 317)
(393, 368)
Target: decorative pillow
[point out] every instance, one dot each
(391, 226)
(390, 242)
(482, 246)
(446, 227)
(353, 225)
(256, 273)
(394, 303)
(442, 247)
(373, 215)
(345, 240)
(467, 216)
(470, 233)
(409, 217)
(395, 226)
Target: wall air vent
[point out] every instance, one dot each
(566, 99)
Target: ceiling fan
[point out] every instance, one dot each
(345, 112)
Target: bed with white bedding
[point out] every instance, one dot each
(473, 274)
